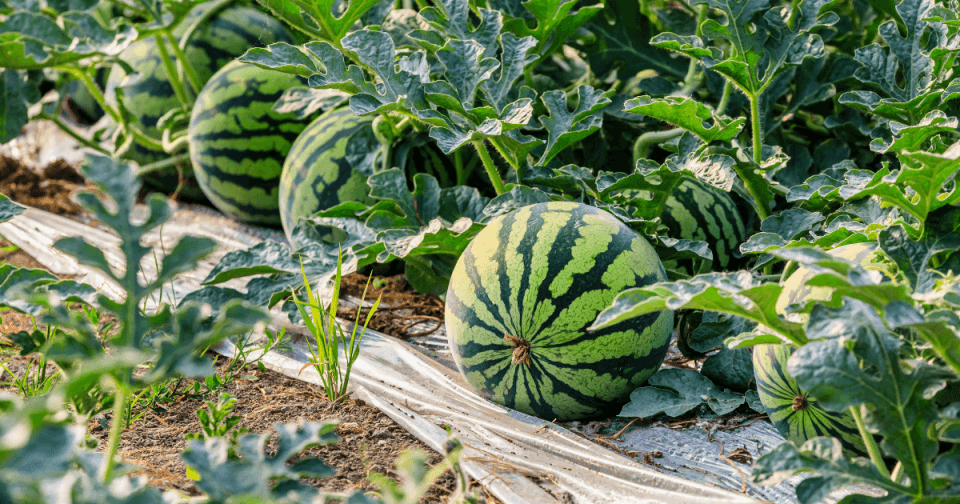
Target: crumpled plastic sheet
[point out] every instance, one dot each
(519, 458)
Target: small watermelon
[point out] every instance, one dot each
(316, 174)
(223, 38)
(522, 296)
(238, 142)
(699, 211)
(793, 412)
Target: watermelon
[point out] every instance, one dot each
(226, 36)
(793, 412)
(316, 174)
(699, 211)
(238, 142)
(521, 298)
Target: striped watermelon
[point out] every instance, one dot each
(224, 37)
(316, 175)
(699, 211)
(238, 142)
(522, 295)
(793, 412)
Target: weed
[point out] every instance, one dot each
(35, 379)
(329, 336)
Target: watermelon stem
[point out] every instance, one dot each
(724, 100)
(641, 148)
(868, 440)
(799, 403)
(490, 167)
(171, 70)
(73, 134)
(521, 349)
(164, 163)
(184, 63)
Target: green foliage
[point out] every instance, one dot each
(255, 474)
(677, 391)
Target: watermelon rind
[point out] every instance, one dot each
(521, 298)
(316, 174)
(223, 38)
(699, 211)
(238, 143)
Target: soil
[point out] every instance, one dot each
(48, 188)
(369, 440)
(401, 311)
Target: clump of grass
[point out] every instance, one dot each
(330, 337)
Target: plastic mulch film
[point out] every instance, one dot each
(519, 458)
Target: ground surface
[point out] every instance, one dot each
(369, 440)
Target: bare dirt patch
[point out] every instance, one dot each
(401, 308)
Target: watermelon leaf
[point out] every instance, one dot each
(688, 114)
(908, 70)
(17, 95)
(516, 197)
(556, 21)
(9, 209)
(452, 17)
(914, 258)
(677, 391)
(926, 176)
(732, 293)
(912, 138)
(791, 223)
(565, 127)
(729, 368)
(713, 329)
(823, 456)
(256, 474)
(332, 27)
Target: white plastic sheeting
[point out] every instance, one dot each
(520, 459)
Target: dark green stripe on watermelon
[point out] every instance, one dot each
(539, 276)
(316, 174)
(792, 411)
(699, 211)
(226, 36)
(238, 143)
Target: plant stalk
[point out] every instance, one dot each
(73, 134)
(756, 127)
(184, 63)
(641, 148)
(458, 166)
(724, 98)
(503, 154)
(94, 91)
(171, 70)
(489, 166)
(116, 428)
(872, 448)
